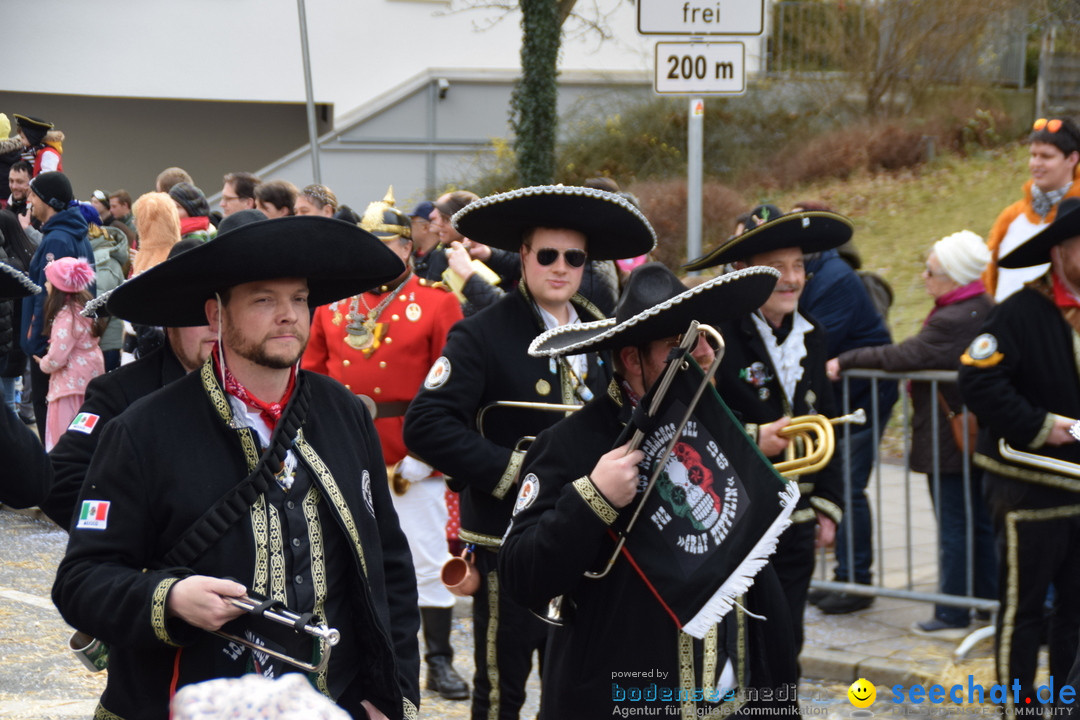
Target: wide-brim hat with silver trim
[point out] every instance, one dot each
(613, 227)
(811, 231)
(338, 260)
(1036, 249)
(655, 305)
(14, 283)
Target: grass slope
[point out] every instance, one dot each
(898, 217)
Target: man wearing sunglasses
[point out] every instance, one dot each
(1054, 146)
(454, 423)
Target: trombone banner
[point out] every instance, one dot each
(715, 513)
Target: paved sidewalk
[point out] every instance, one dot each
(878, 643)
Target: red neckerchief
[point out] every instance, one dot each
(631, 396)
(1062, 297)
(269, 412)
(191, 224)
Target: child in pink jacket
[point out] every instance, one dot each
(74, 358)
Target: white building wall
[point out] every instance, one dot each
(249, 50)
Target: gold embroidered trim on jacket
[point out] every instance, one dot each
(708, 657)
(1044, 432)
(803, 515)
(1012, 590)
(1026, 474)
(261, 534)
(100, 713)
(509, 474)
(310, 506)
(157, 610)
(409, 710)
(333, 493)
(468, 536)
(805, 488)
(614, 392)
(688, 708)
(827, 507)
(491, 645)
(277, 555)
(595, 500)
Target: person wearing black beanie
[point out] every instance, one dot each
(63, 234)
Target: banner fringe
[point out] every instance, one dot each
(742, 578)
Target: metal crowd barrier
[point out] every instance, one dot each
(906, 590)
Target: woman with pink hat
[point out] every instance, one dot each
(74, 358)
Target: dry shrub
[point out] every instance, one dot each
(841, 153)
(664, 203)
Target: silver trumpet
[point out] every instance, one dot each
(276, 612)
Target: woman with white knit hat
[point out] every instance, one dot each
(961, 305)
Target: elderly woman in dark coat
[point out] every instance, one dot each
(960, 308)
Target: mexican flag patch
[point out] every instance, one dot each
(94, 515)
(84, 422)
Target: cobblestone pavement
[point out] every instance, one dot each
(41, 679)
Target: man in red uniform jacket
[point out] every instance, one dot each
(380, 345)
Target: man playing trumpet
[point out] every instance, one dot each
(774, 369)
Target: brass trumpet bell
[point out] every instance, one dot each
(813, 442)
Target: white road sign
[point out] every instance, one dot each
(701, 17)
(700, 68)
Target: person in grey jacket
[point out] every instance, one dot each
(960, 308)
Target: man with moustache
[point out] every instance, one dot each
(185, 349)
(774, 369)
(246, 474)
(553, 230)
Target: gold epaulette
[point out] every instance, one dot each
(437, 284)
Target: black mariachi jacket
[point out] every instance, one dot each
(749, 384)
(485, 360)
(617, 635)
(161, 465)
(1017, 373)
(106, 397)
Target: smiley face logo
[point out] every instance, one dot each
(862, 693)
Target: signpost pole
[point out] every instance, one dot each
(695, 158)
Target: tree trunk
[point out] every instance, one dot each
(534, 102)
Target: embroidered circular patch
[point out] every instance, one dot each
(530, 488)
(413, 311)
(438, 374)
(365, 484)
(983, 347)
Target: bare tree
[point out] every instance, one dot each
(534, 103)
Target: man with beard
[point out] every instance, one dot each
(774, 369)
(185, 349)
(246, 474)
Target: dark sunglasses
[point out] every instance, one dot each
(574, 258)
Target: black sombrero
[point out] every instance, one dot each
(338, 259)
(811, 231)
(14, 283)
(1036, 249)
(655, 305)
(613, 226)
